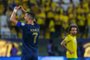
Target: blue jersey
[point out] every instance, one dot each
(30, 38)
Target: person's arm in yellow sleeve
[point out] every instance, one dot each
(64, 43)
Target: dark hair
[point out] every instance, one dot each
(31, 14)
(73, 25)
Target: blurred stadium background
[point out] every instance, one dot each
(54, 18)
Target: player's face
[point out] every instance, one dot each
(73, 31)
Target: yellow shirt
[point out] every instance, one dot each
(51, 26)
(71, 44)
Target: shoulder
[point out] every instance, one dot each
(68, 37)
(20, 24)
(37, 25)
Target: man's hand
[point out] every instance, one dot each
(64, 45)
(71, 52)
(22, 9)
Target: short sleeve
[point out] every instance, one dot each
(67, 39)
(20, 24)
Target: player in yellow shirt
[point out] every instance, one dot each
(70, 43)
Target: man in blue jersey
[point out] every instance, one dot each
(30, 31)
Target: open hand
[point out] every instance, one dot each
(22, 9)
(17, 7)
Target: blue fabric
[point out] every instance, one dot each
(18, 24)
(29, 48)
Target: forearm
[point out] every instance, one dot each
(64, 45)
(13, 16)
(66, 48)
(24, 11)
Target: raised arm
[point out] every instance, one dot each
(23, 9)
(13, 15)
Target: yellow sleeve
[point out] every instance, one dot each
(67, 39)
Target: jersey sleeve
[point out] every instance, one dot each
(20, 24)
(67, 39)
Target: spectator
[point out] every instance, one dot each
(51, 48)
(13, 50)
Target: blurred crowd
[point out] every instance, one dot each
(8, 48)
(53, 16)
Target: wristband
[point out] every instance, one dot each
(15, 10)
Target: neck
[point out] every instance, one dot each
(72, 34)
(30, 22)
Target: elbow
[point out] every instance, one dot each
(61, 44)
(10, 19)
